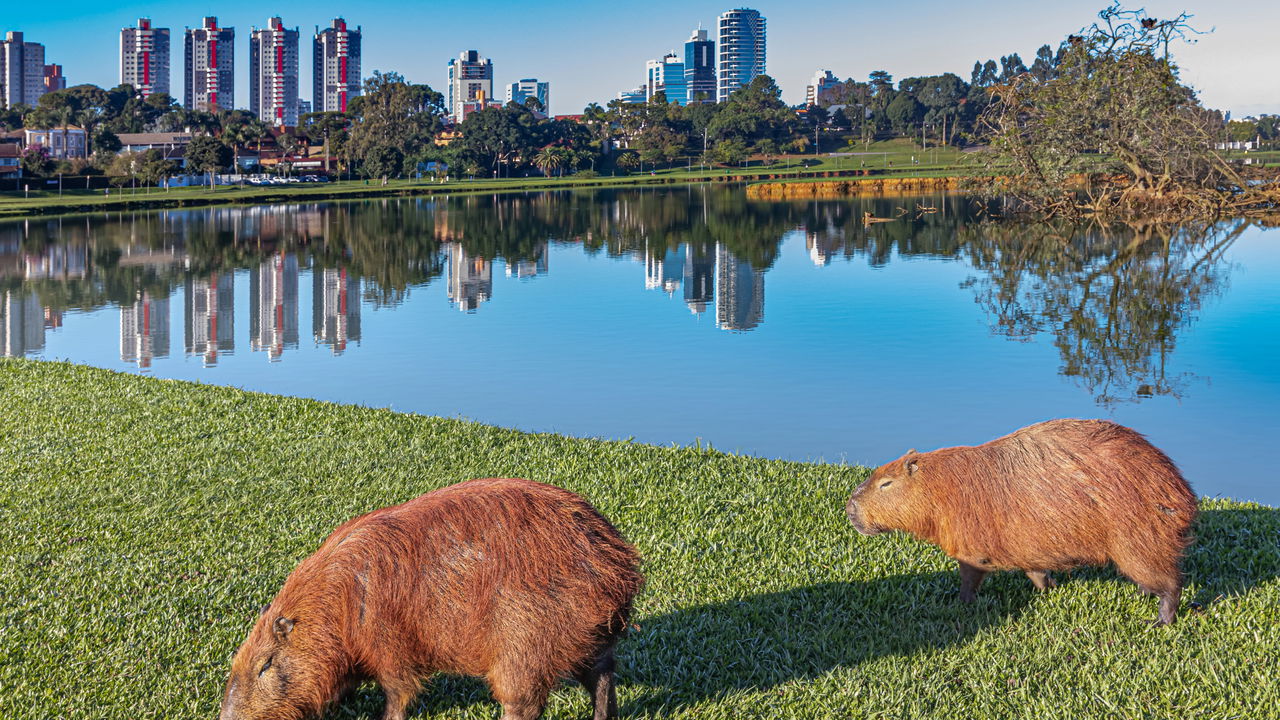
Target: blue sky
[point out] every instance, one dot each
(591, 50)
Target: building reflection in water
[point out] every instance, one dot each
(470, 278)
(739, 292)
(273, 305)
(144, 330)
(529, 268)
(335, 308)
(823, 245)
(699, 279)
(22, 323)
(209, 316)
(664, 272)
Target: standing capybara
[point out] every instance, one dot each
(1052, 496)
(515, 581)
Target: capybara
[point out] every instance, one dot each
(515, 581)
(1051, 496)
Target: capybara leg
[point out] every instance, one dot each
(526, 709)
(1041, 579)
(399, 694)
(1169, 606)
(520, 700)
(1164, 583)
(599, 682)
(970, 578)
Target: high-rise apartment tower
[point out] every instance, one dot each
(209, 73)
(144, 58)
(470, 79)
(335, 64)
(273, 74)
(21, 70)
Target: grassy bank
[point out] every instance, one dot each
(890, 158)
(143, 522)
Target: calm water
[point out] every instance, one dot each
(675, 316)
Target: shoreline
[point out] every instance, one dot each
(78, 201)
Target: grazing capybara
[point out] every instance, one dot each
(1052, 496)
(515, 581)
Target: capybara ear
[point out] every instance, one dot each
(283, 627)
(911, 463)
(263, 610)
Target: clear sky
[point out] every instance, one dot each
(590, 50)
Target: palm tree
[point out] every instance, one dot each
(627, 160)
(548, 158)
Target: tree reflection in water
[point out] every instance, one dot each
(1112, 300)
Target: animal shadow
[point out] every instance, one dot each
(1233, 551)
(761, 641)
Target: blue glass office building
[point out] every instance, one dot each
(700, 67)
(667, 76)
(741, 50)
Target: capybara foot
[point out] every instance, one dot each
(1041, 579)
(970, 580)
(1168, 608)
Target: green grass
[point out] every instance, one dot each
(142, 522)
(893, 157)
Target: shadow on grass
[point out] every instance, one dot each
(762, 641)
(1234, 550)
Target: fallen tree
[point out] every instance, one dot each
(1114, 133)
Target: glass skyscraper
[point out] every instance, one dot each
(667, 76)
(700, 67)
(741, 50)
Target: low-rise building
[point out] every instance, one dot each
(10, 160)
(137, 142)
(63, 143)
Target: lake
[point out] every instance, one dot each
(685, 315)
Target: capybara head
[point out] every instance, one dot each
(892, 498)
(280, 672)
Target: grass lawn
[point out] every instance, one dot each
(894, 157)
(143, 522)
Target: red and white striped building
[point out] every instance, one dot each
(273, 74)
(335, 67)
(210, 69)
(144, 58)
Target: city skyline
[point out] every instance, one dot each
(1223, 65)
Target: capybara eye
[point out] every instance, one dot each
(885, 484)
(266, 666)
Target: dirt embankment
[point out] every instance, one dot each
(847, 188)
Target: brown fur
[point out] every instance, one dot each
(1052, 496)
(515, 581)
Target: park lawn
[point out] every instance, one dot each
(894, 157)
(144, 521)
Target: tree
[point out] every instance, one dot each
(208, 155)
(1116, 108)
(549, 158)
(730, 152)
(35, 160)
(753, 113)
(393, 114)
(903, 113)
(382, 161)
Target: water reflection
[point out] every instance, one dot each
(209, 318)
(273, 305)
(1112, 302)
(144, 329)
